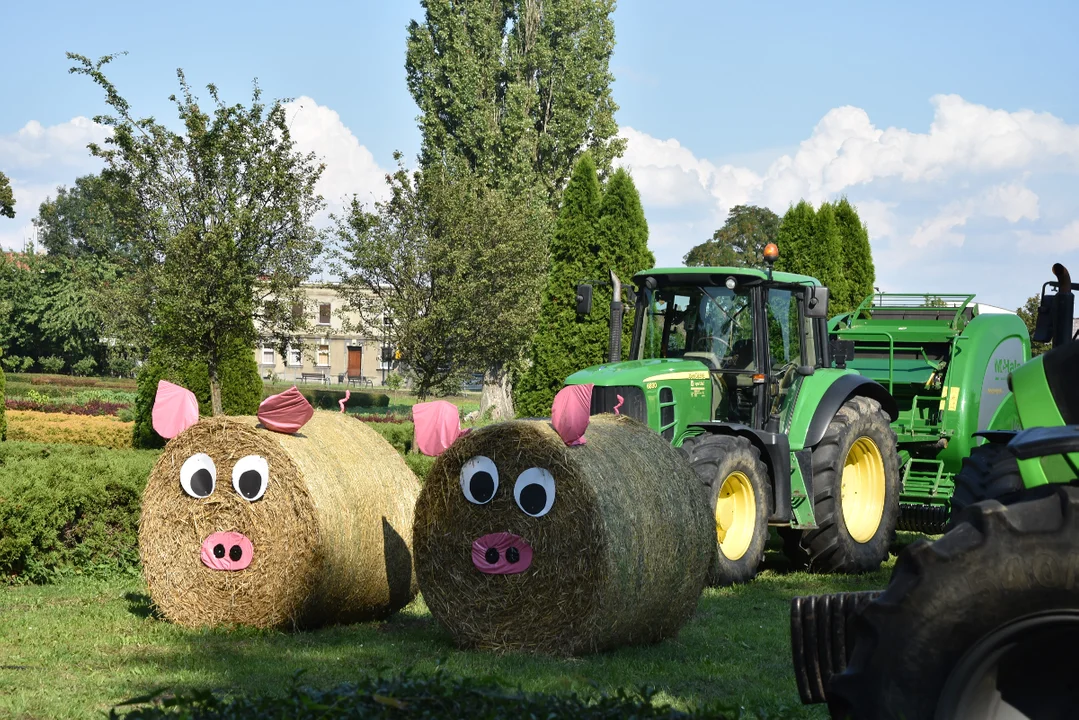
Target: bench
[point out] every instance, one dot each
(317, 377)
(360, 380)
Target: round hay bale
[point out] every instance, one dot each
(619, 558)
(328, 542)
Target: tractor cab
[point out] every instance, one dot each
(754, 334)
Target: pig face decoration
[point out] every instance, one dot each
(228, 528)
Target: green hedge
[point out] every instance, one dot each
(3, 407)
(401, 435)
(69, 508)
(329, 399)
(412, 697)
(241, 388)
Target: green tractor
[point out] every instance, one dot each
(982, 623)
(823, 434)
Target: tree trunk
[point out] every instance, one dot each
(215, 392)
(497, 394)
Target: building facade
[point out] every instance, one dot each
(327, 354)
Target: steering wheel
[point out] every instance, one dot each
(704, 343)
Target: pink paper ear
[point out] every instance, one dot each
(438, 425)
(285, 412)
(175, 409)
(569, 413)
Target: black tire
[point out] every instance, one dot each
(991, 472)
(998, 565)
(831, 547)
(716, 458)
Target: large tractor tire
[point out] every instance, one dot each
(855, 494)
(991, 472)
(740, 495)
(982, 623)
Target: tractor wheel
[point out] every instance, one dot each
(855, 493)
(991, 472)
(982, 623)
(740, 495)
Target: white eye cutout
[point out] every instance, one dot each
(198, 476)
(479, 480)
(534, 491)
(249, 477)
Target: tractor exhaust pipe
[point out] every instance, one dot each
(822, 639)
(614, 344)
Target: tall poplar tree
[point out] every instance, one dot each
(517, 88)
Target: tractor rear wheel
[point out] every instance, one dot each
(740, 495)
(982, 623)
(855, 493)
(991, 472)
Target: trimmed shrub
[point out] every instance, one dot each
(329, 399)
(406, 696)
(241, 388)
(3, 403)
(98, 430)
(69, 509)
(79, 382)
(84, 367)
(51, 364)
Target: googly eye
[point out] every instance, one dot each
(534, 491)
(198, 476)
(479, 480)
(249, 477)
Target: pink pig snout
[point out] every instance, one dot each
(227, 551)
(501, 554)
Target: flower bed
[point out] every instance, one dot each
(93, 407)
(98, 430)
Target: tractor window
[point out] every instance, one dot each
(712, 320)
(784, 341)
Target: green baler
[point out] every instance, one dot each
(946, 364)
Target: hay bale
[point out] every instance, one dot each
(620, 558)
(330, 536)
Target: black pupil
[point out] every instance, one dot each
(533, 498)
(202, 483)
(512, 555)
(236, 552)
(219, 550)
(482, 486)
(250, 483)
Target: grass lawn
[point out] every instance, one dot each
(76, 648)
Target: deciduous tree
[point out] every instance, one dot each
(7, 197)
(741, 240)
(224, 217)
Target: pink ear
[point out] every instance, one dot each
(175, 409)
(285, 412)
(569, 413)
(438, 425)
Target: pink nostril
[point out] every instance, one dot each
(227, 551)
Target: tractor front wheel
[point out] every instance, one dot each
(855, 493)
(982, 623)
(740, 496)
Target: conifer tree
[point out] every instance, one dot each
(623, 235)
(564, 344)
(825, 253)
(857, 255)
(795, 238)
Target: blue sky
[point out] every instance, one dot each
(955, 129)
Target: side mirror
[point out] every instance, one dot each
(584, 299)
(1043, 325)
(816, 302)
(841, 351)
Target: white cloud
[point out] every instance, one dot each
(350, 166)
(1050, 244)
(34, 147)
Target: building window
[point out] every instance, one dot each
(268, 355)
(323, 313)
(323, 355)
(295, 357)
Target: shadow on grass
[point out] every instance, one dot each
(140, 605)
(734, 651)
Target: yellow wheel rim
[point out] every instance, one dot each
(862, 492)
(736, 513)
